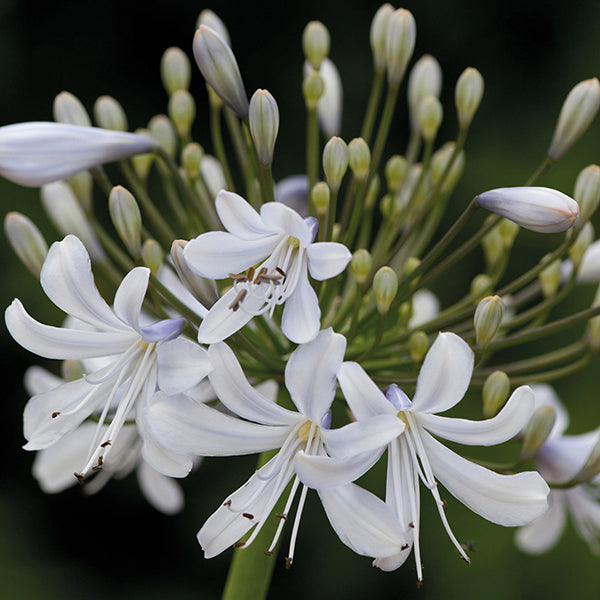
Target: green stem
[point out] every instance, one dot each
(374, 99)
(546, 165)
(217, 140)
(312, 151)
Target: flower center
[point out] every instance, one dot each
(403, 418)
(304, 431)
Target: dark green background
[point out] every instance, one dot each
(114, 545)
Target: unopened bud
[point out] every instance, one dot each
(396, 170)
(204, 290)
(495, 393)
(385, 286)
(418, 344)
(372, 192)
(313, 88)
(264, 125)
(508, 230)
(191, 157)
(425, 79)
(390, 207)
(213, 175)
(378, 35)
(578, 249)
(316, 42)
(142, 162)
(591, 467)
(82, 185)
(335, 162)
(175, 70)
(577, 112)
(400, 43)
(537, 430)
(67, 108)
(587, 192)
(536, 208)
(319, 196)
(592, 334)
(26, 240)
(467, 95)
(182, 111)
(430, 117)
(213, 21)
(361, 264)
(109, 114)
(412, 262)
(152, 255)
(329, 106)
(162, 130)
(493, 247)
(550, 278)
(439, 163)
(487, 320)
(126, 217)
(481, 286)
(220, 69)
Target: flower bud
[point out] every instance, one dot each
(329, 105)
(68, 109)
(152, 255)
(467, 95)
(372, 192)
(213, 175)
(412, 262)
(425, 79)
(577, 112)
(220, 69)
(508, 230)
(488, 316)
(481, 286)
(315, 43)
(204, 290)
(361, 264)
(550, 277)
(359, 158)
(26, 240)
(264, 125)
(126, 218)
(335, 162)
(418, 344)
(587, 192)
(142, 162)
(319, 196)
(591, 467)
(430, 117)
(82, 185)
(537, 430)
(495, 393)
(109, 114)
(182, 111)
(401, 34)
(313, 88)
(385, 287)
(578, 249)
(592, 334)
(536, 208)
(493, 248)
(396, 170)
(213, 21)
(191, 157)
(175, 70)
(378, 35)
(439, 164)
(162, 130)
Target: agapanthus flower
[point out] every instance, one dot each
(268, 256)
(362, 521)
(415, 453)
(558, 460)
(143, 356)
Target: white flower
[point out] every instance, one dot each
(425, 308)
(37, 153)
(415, 454)
(589, 269)
(282, 237)
(142, 356)
(558, 459)
(362, 521)
(329, 106)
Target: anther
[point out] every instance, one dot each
(99, 465)
(466, 559)
(227, 503)
(288, 562)
(274, 279)
(55, 414)
(281, 516)
(280, 271)
(238, 277)
(268, 553)
(405, 547)
(248, 516)
(80, 477)
(106, 443)
(444, 504)
(235, 305)
(411, 525)
(262, 272)
(250, 273)
(239, 544)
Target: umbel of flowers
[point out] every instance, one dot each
(243, 310)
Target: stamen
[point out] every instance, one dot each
(235, 305)
(238, 277)
(280, 271)
(239, 544)
(80, 477)
(248, 516)
(250, 273)
(288, 562)
(55, 414)
(261, 273)
(107, 443)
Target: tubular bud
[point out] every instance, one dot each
(580, 246)
(396, 170)
(162, 130)
(126, 218)
(109, 114)
(418, 344)
(329, 105)
(385, 286)
(481, 286)
(467, 95)
(142, 162)
(550, 278)
(175, 70)
(425, 79)
(361, 264)
(152, 255)
(319, 196)
(587, 192)
(537, 430)
(493, 247)
(204, 290)
(430, 117)
(508, 230)
(359, 158)
(378, 35)
(264, 125)
(26, 240)
(68, 109)
(316, 42)
(213, 21)
(487, 320)
(182, 111)
(313, 88)
(335, 162)
(82, 185)
(191, 157)
(400, 36)
(495, 393)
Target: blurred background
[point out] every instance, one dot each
(114, 545)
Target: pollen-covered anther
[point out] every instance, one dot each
(99, 465)
(261, 273)
(237, 301)
(55, 414)
(239, 544)
(80, 477)
(281, 516)
(239, 277)
(248, 516)
(288, 562)
(405, 547)
(267, 552)
(106, 443)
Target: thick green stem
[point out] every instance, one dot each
(312, 151)
(217, 140)
(374, 99)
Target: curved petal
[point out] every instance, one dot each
(162, 492)
(543, 534)
(130, 297)
(327, 259)
(364, 398)
(301, 319)
(234, 391)
(239, 218)
(280, 217)
(216, 254)
(38, 380)
(507, 500)
(504, 426)
(182, 364)
(425, 307)
(445, 374)
(65, 344)
(310, 373)
(67, 279)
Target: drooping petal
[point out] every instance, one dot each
(310, 373)
(327, 259)
(301, 319)
(543, 534)
(280, 217)
(130, 297)
(239, 218)
(182, 364)
(38, 380)
(507, 500)
(162, 492)
(504, 426)
(445, 374)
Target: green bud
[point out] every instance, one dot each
(313, 88)
(319, 196)
(175, 70)
(587, 192)
(162, 130)
(425, 80)
(316, 43)
(378, 35)
(410, 265)
(493, 247)
(26, 240)
(396, 171)
(418, 344)
(264, 125)
(430, 117)
(481, 286)
(82, 185)
(126, 217)
(487, 320)
(550, 277)
(68, 109)
(359, 158)
(467, 95)
(335, 232)
(335, 162)
(191, 157)
(182, 112)
(508, 230)
(405, 313)
(212, 21)
(579, 247)
(214, 99)
(400, 39)
(385, 286)
(439, 163)
(109, 114)
(591, 467)
(372, 192)
(495, 393)
(361, 264)
(152, 255)
(71, 370)
(391, 206)
(592, 334)
(204, 290)
(142, 162)
(537, 430)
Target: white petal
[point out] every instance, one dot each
(507, 500)
(362, 521)
(310, 373)
(130, 296)
(239, 218)
(67, 279)
(162, 492)
(327, 259)
(234, 391)
(65, 344)
(293, 192)
(301, 319)
(364, 398)
(504, 426)
(182, 364)
(546, 396)
(38, 380)
(425, 307)
(172, 282)
(280, 217)
(543, 534)
(329, 106)
(216, 254)
(445, 374)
